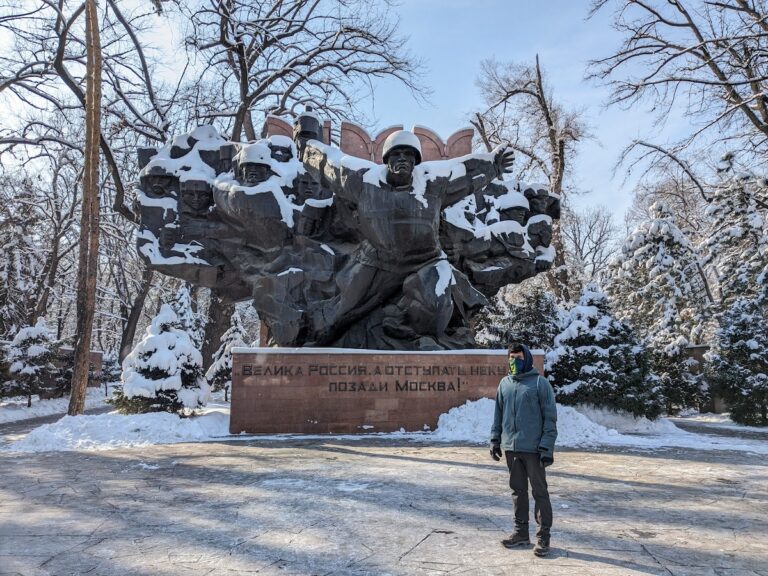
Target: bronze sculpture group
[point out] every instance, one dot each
(339, 251)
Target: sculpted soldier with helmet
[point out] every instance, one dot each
(336, 250)
(398, 218)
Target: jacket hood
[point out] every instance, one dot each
(527, 361)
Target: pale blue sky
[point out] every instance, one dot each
(454, 36)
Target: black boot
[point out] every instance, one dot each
(542, 546)
(516, 540)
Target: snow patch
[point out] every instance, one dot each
(113, 430)
(15, 409)
(444, 277)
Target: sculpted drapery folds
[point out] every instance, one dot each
(339, 251)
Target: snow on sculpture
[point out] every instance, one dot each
(339, 251)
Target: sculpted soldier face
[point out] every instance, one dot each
(198, 200)
(158, 187)
(253, 174)
(400, 164)
(281, 153)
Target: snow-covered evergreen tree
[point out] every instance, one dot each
(189, 320)
(219, 374)
(30, 361)
(737, 250)
(736, 246)
(164, 372)
(738, 361)
(20, 267)
(534, 322)
(656, 286)
(597, 360)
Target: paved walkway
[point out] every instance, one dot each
(374, 508)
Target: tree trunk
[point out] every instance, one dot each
(129, 330)
(559, 276)
(219, 317)
(89, 225)
(47, 282)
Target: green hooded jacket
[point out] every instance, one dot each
(525, 419)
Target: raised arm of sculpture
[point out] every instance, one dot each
(339, 173)
(479, 171)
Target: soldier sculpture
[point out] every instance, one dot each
(338, 251)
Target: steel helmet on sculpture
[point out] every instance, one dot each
(401, 139)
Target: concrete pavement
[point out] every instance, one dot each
(374, 507)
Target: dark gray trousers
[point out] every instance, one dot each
(524, 466)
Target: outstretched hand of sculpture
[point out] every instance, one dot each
(339, 251)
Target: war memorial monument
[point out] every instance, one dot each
(366, 262)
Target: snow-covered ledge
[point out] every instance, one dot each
(472, 352)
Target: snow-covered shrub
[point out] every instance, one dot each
(188, 319)
(598, 361)
(656, 286)
(219, 374)
(534, 322)
(164, 372)
(30, 361)
(738, 362)
(110, 367)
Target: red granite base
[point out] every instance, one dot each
(316, 391)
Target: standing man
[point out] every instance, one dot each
(524, 430)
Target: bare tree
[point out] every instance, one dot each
(521, 110)
(87, 271)
(710, 58)
(266, 57)
(676, 190)
(45, 72)
(591, 238)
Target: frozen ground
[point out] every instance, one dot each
(375, 506)
(722, 421)
(98, 495)
(15, 409)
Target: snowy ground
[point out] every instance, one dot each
(721, 421)
(469, 423)
(375, 507)
(102, 495)
(15, 409)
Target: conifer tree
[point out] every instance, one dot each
(20, 266)
(219, 374)
(188, 319)
(738, 361)
(657, 287)
(534, 322)
(736, 246)
(30, 361)
(597, 360)
(163, 372)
